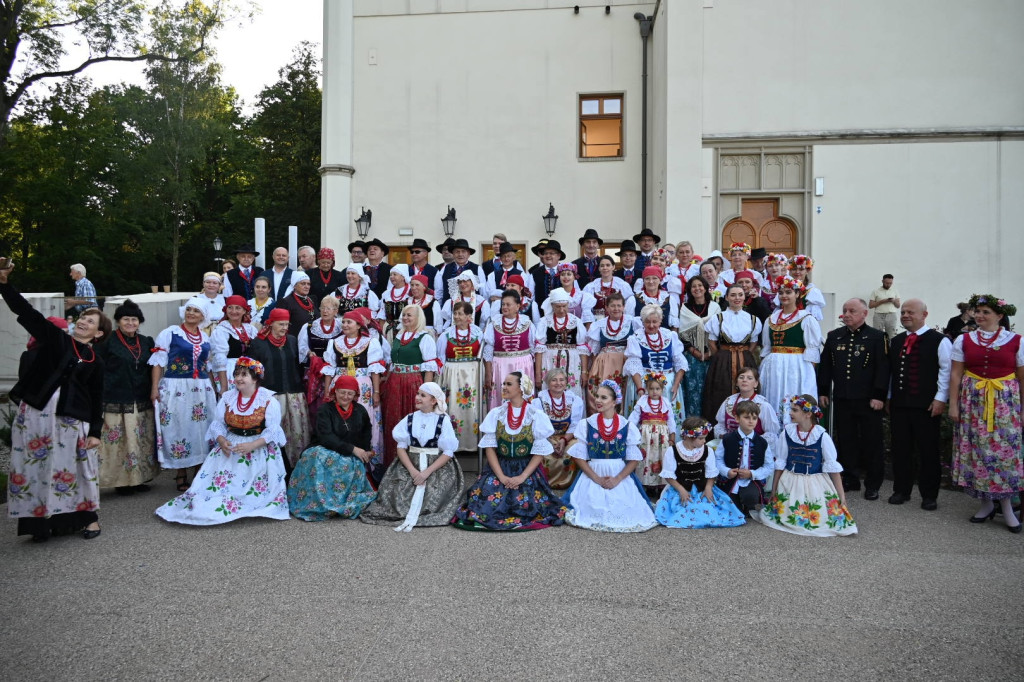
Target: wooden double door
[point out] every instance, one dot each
(760, 225)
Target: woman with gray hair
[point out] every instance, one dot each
(510, 493)
(655, 350)
(423, 486)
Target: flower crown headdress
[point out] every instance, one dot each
(255, 365)
(787, 282)
(740, 246)
(805, 405)
(998, 305)
(655, 376)
(699, 432)
(803, 260)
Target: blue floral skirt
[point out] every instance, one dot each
(326, 483)
(693, 385)
(491, 506)
(698, 512)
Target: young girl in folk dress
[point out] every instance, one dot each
(565, 410)
(653, 416)
(510, 493)
(458, 352)
(607, 343)
(809, 497)
(423, 487)
(691, 499)
(748, 382)
(607, 495)
(562, 343)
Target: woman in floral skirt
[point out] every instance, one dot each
(985, 403)
(243, 475)
(459, 348)
(510, 493)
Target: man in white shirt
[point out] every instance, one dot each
(921, 361)
(281, 272)
(885, 301)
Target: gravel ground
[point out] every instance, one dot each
(916, 595)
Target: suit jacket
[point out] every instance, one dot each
(583, 274)
(855, 364)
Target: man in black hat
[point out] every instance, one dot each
(757, 257)
(508, 265)
(357, 252)
(627, 257)
(546, 277)
(462, 251)
(535, 250)
(647, 241)
(377, 269)
(240, 280)
(445, 249)
(855, 368)
(419, 253)
(586, 265)
(490, 266)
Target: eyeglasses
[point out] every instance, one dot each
(416, 251)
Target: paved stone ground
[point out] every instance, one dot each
(916, 595)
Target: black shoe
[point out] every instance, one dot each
(870, 494)
(851, 485)
(90, 534)
(124, 490)
(982, 519)
(929, 504)
(41, 538)
(1015, 529)
(898, 498)
(141, 488)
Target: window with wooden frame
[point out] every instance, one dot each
(600, 130)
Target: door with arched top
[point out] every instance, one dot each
(760, 225)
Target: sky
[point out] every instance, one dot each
(250, 52)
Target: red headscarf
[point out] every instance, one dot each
(343, 381)
(276, 315)
(58, 322)
(364, 318)
(240, 301)
(422, 279)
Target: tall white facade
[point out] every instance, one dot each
(911, 113)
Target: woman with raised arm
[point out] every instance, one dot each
(53, 479)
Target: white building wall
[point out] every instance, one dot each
(806, 65)
(477, 109)
(938, 216)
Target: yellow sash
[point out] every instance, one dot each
(990, 386)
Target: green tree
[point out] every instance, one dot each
(285, 132)
(35, 35)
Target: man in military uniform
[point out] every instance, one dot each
(855, 365)
(921, 359)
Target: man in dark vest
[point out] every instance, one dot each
(240, 280)
(376, 265)
(648, 242)
(545, 278)
(627, 257)
(921, 363)
(855, 366)
(489, 266)
(586, 266)
(508, 265)
(461, 250)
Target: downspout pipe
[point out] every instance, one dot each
(646, 26)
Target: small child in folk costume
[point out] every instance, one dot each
(809, 497)
(654, 417)
(691, 499)
(565, 409)
(607, 495)
(744, 460)
(562, 343)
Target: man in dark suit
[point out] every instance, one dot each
(508, 266)
(586, 265)
(855, 365)
(921, 359)
(489, 266)
(648, 243)
(627, 257)
(461, 249)
(377, 268)
(280, 273)
(545, 278)
(419, 254)
(240, 280)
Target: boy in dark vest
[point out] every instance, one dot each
(744, 460)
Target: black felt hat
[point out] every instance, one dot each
(591, 233)
(419, 243)
(247, 248)
(129, 309)
(647, 232)
(377, 242)
(553, 244)
(463, 244)
(627, 245)
(446, 244)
